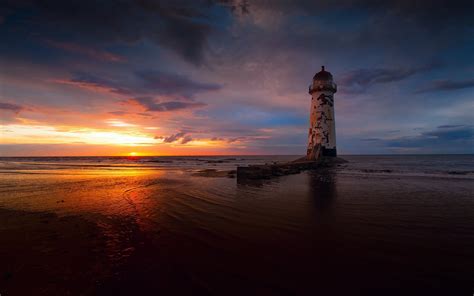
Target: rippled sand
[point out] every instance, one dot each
(129, 230)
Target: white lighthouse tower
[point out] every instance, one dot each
(322, 129)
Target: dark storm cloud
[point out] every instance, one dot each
(435, 12)
(186, 27)
(173, 84)
(145, 83)
(151, 104)
(348, 32)
(87, 51)
(182, 26)
(11, 107)
(446, 85)
(91, 81)
(358, 81)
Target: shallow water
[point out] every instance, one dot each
(384, 223)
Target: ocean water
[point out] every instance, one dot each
(415, 165)
(122, 225)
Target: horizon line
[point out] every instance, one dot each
(223, 155)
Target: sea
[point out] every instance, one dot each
(385, 224)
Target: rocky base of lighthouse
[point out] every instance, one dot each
(329, 152)
(268, 171)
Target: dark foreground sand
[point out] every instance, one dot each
(43, 254)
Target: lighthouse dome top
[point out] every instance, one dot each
(323, 75)
(322, 81)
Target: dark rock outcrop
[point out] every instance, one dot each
(267, 171)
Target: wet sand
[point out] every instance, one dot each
(173, 232)
(43, 254)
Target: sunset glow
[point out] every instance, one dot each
(19, 134)
(236, 83)
(236, 147)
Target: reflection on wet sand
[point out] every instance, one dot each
(322, 187)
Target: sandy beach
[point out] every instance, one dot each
(70, 229)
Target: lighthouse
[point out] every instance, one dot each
(322, 126)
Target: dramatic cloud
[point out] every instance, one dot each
(233, 140)
(358, 81)
(100, 84)
(143, 83)
(430, 13)
(459, 132)
(174, 138)
(449, 138)
(186, 139)
(183, 137)
(445, 85)
(11, 107)
(450, 126)
(87, 51)
(172, 84)
(182, 26)
(150, 104)
(237, 71)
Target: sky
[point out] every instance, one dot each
(231, 77)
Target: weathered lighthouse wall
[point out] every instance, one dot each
(322, 129)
